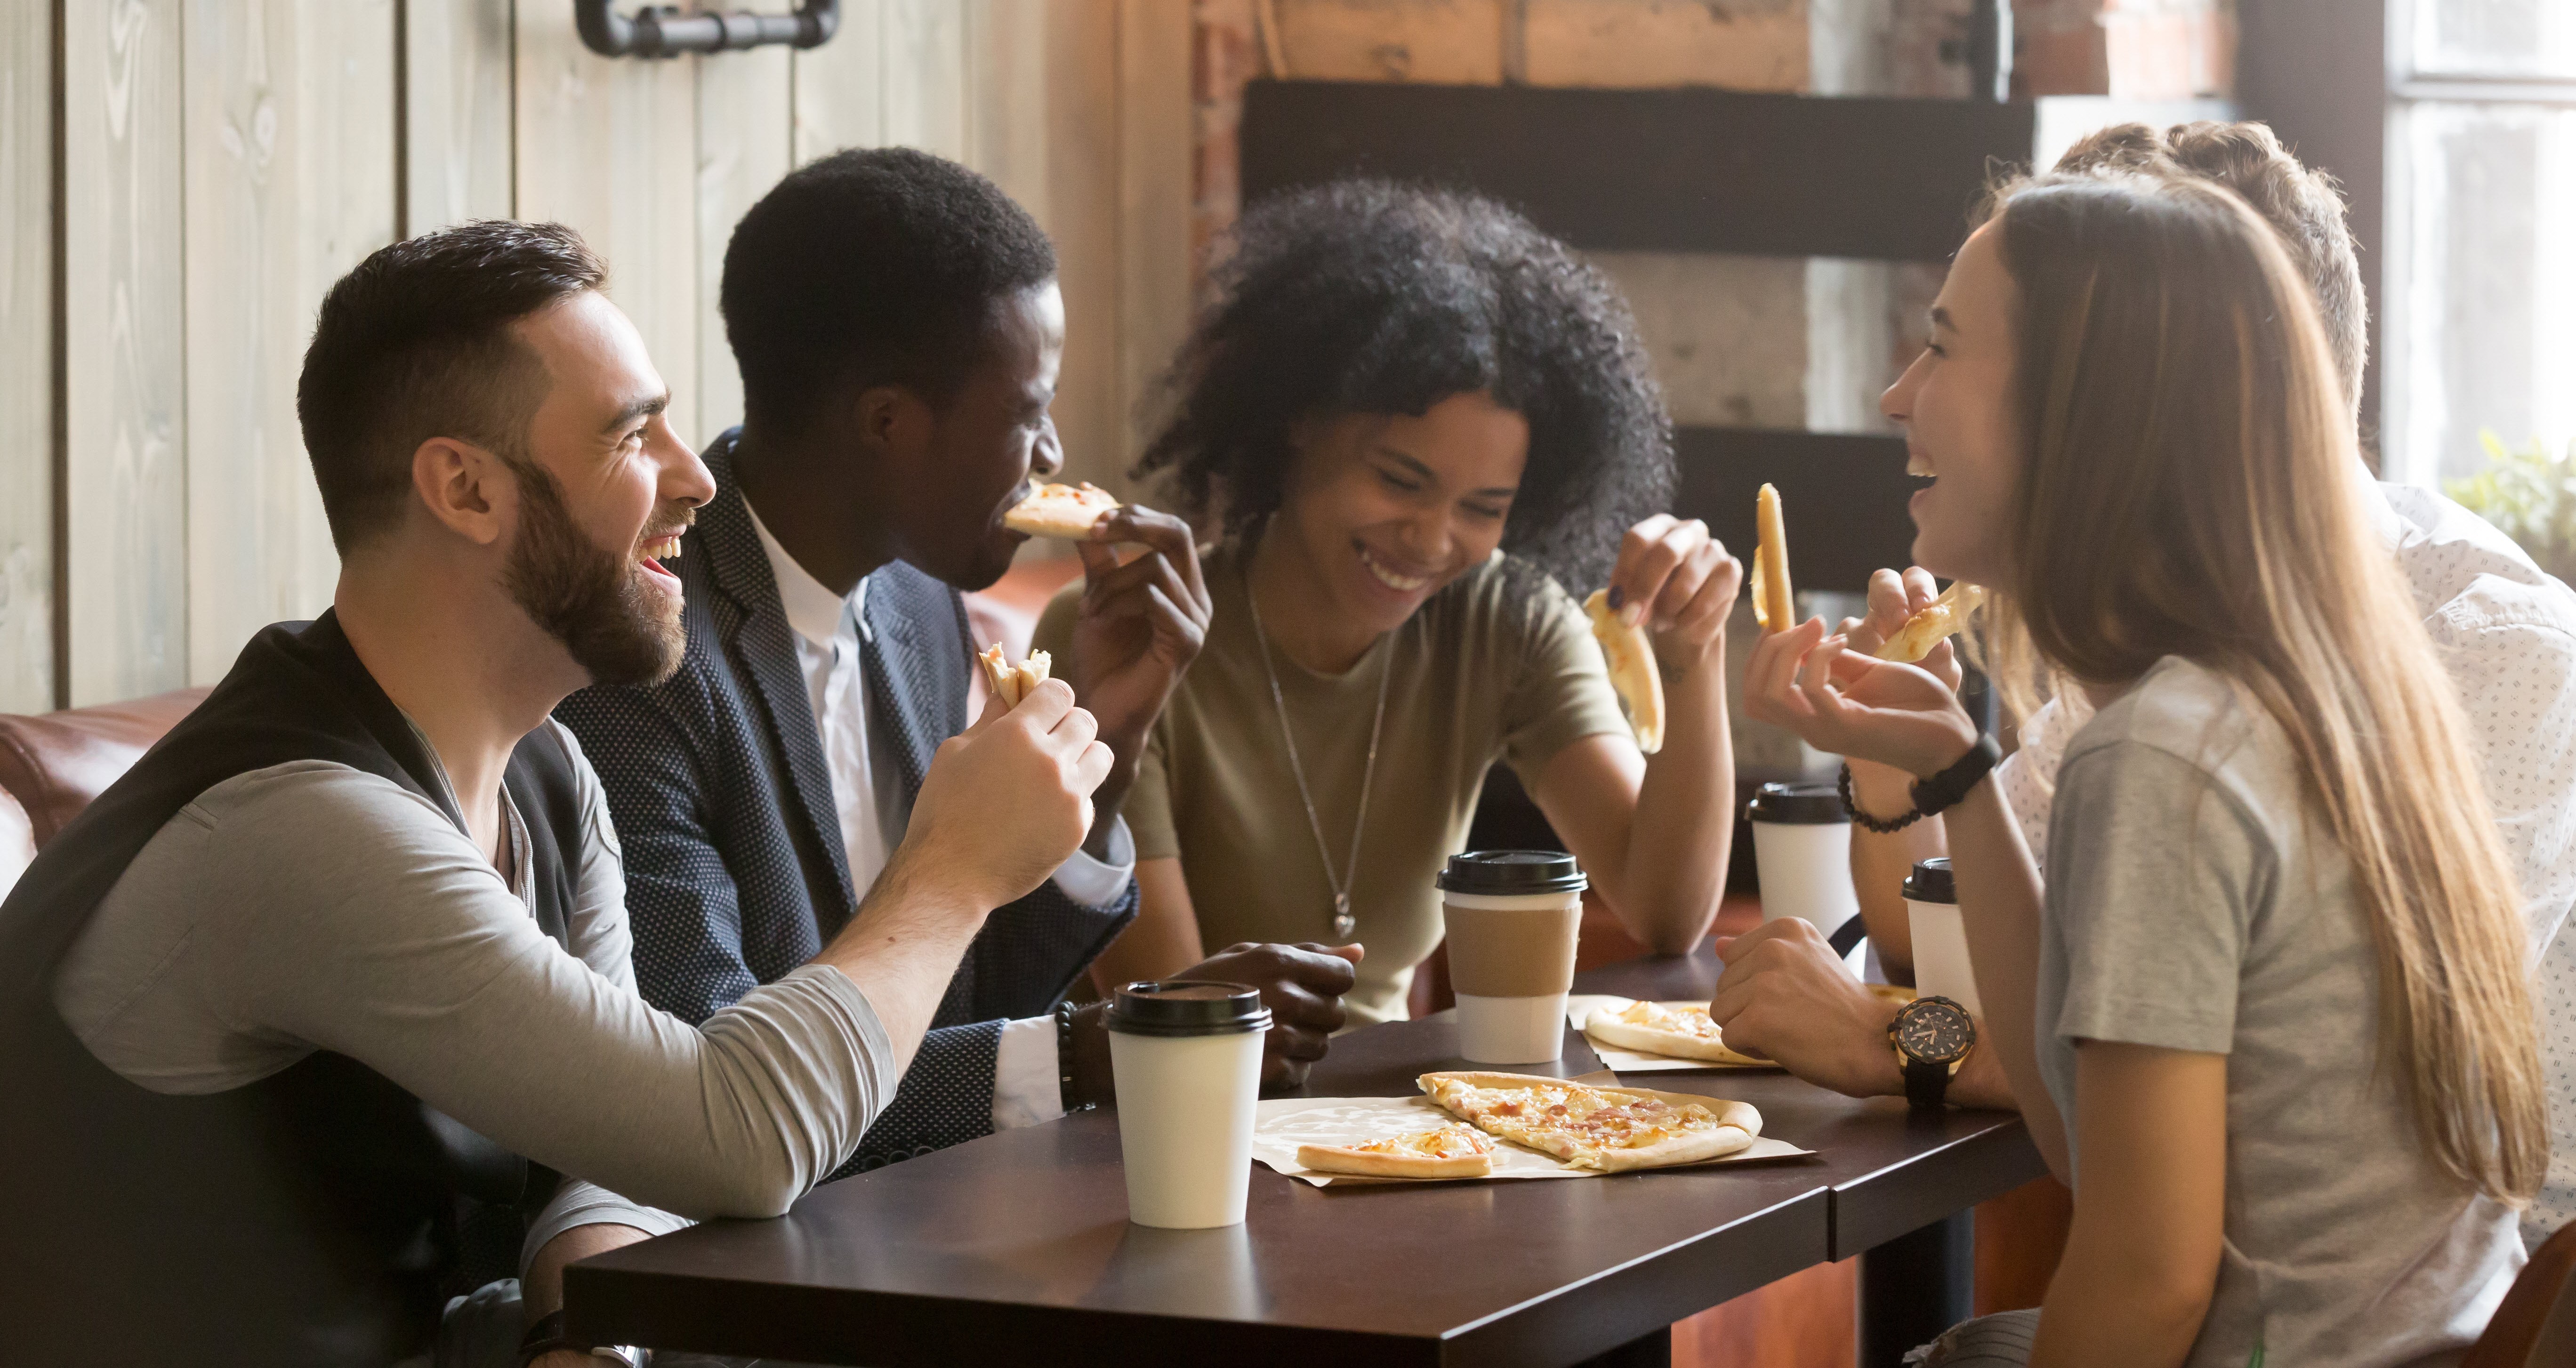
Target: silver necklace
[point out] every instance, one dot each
(1343, 922)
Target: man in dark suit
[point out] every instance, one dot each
(898, 325)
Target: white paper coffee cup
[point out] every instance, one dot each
(1941, 967)
(1802, 850)
(1186, 1061)
(1513, 917)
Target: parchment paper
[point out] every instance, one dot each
(1287, 1122)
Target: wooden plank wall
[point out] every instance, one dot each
(27, 342)
(221, 162)
(288, 137)
(124, 526)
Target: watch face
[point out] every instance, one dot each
(1934, 1029)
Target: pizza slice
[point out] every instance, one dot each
(1056, 510)
(1941, 618)
(1449, 1152)
(1774, 605)
(1681, 1030)
(1011, 683)
(1631, 658)
(1609, 1129)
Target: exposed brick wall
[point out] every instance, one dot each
(2135, 49)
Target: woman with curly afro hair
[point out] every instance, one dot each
(1415, 423)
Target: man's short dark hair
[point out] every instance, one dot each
(415, 343)
(2301, 203)
(873, 266)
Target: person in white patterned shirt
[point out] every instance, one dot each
(2507, 638)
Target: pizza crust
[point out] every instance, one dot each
(1378, 1163)
(1774, 606)
(1613, 1029)
(1011, 683)
(1631, 658)
(1055, 510)
(1737, 1123)
(1941, 618)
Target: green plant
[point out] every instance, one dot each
(2530, 496)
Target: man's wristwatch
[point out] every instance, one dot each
(547, 1336)
(1931, 1037)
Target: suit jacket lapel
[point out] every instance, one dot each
(903, 692)
(763, 647)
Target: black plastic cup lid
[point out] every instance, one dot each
(1511, 873)
(1931, 883)
(1188, 1007)
(1797, 805)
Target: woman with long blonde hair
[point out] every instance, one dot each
(2270, 1017)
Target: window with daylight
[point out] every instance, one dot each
(2481, 264)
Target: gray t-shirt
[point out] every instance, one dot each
(312, 906)
(2193, 904)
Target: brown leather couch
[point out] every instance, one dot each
(53, 764)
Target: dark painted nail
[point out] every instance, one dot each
(1618, 598)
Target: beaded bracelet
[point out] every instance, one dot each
(1064, 1060)
(1842, 786)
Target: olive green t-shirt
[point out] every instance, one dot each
(1499, 665)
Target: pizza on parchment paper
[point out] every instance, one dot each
(1681, 1030)
(1610, 1129)
(1449, 1152)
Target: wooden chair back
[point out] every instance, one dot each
(2536, 1325)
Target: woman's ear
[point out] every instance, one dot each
(466, 488)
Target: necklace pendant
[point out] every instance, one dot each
(1343, 922)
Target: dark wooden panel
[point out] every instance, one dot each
(1657, 170)
(1843, 495)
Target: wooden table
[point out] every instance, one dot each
(1016, 1248)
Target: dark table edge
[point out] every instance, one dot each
(902, 1330)
(1881, 1206)
(1651, 1291)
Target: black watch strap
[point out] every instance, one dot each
(1945, 789)
(1927, 1083)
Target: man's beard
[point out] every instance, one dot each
(586, 597)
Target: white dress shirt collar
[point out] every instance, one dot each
(813, 610)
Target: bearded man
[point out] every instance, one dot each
(283, 1011)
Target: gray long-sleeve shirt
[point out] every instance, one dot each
(311, 906)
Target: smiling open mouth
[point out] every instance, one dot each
(1401, 583)
(652, 553)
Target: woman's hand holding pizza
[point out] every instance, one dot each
(1847, 703)
(1894, 599)
(1139, 625)
(1677, 581)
